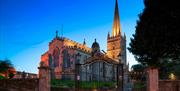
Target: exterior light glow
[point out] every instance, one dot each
(172, 76)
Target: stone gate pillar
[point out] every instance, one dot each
(120, 77)
(44, 77)
(152, 79)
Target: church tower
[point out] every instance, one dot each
(116, 43)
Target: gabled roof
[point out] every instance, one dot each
(100, 58)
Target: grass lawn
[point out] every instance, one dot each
(139, 85)
(82, 84)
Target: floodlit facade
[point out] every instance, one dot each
(63, 55)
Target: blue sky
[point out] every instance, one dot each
(27, 26)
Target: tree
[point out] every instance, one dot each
(138, 68)
(6, 67)
(157, 33)
(11, 75)
(137, 72)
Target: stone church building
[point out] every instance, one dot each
(63, 55)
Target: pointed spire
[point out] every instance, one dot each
(128, 66)
(84, 42)
(124, 35)
(108, 35)
(116, 24)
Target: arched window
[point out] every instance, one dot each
(85, 58)
(104, 73)
(113, 48)
(56, 54)
(50, 60)
(66, 59)
(113, 56)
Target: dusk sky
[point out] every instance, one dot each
(27, 26)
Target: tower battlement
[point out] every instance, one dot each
(116, 42)
(114, 37)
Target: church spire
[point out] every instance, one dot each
(116, 24)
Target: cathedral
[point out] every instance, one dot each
(63, 55)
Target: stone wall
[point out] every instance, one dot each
(19, 85)
(169, 85)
